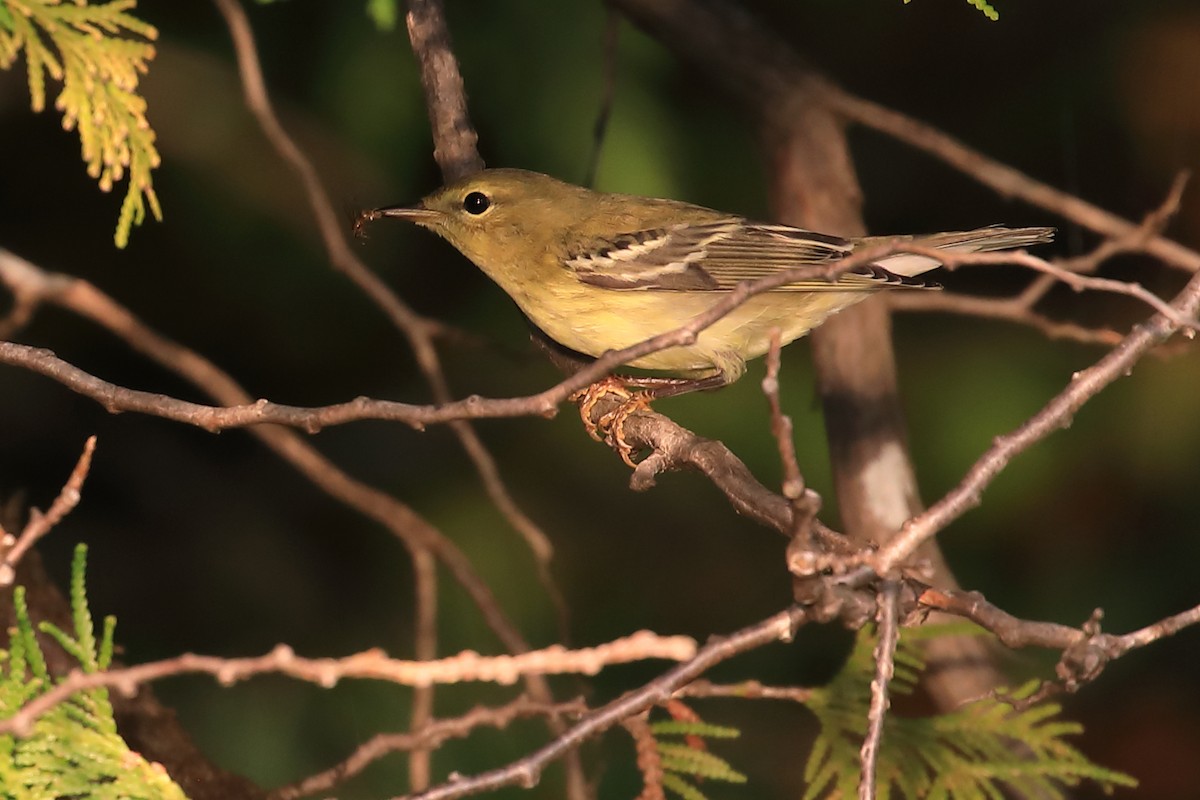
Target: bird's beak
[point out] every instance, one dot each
(415, 214)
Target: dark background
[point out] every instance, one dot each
(209, 543)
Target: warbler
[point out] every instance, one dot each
(597, 271)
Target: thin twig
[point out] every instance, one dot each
(419, 334)
(40, 524)
(526, 771)
(1008, 309)
(426, 610)
(805, 502)
(1086, 650)
(1004, 179)
(888, 629)
(1069, 277)
(413, 531)
(428, 738)
(427, 25)
(746, 690)
(211, 418)
(1054, 415)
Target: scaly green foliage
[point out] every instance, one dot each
(97, 52)
(74, 750)
(984, 750)
(687, 760)
(983, 6)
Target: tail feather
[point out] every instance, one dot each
(993, 237)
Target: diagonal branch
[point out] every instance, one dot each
(528, 770)
(438, 64)
(1055, 415)
(1005, 180)
(11, 552)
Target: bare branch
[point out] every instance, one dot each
(1071, 278)
(40, 524)
(1008, 309)
(369, 664)
(805, 503)
(1019, 308)
(1086, 650)
(528, 770)
(409, 527)
(425, 20)
(674, 447)
(1002, 178)
(1054, 415)
(429, 737)
(454, 138)
(888, 627)
(545, 403)
(747, 690)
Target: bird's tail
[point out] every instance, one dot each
(993, 237)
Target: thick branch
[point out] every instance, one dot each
(454, 138)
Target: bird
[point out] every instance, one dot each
(598, 271)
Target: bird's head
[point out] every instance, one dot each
(496, 216)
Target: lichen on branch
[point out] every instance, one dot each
(98, 52)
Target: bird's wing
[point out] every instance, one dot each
(716, 256)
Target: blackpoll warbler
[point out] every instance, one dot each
(598, 271)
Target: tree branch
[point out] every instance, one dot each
(1055, 415)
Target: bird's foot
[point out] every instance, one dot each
(610, 427)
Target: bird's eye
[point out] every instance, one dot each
(476, 203)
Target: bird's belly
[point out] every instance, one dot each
(593, 322)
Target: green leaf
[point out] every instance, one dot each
(986, 749)
(98, 52)
(679, 786)
(74, 750)
(701, 763)
(677, 727)
(982, 5)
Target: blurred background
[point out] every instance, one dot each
(209, 543)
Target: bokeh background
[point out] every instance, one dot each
(208, 543)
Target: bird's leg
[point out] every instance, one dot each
(589, 397)
(610, 427)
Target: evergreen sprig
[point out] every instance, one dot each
(985, 750)
(98, 52)
(74, 750)
(983, 6)
(686, 762)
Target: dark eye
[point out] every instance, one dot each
(476, 203)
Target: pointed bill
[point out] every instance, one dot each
(414, 214)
